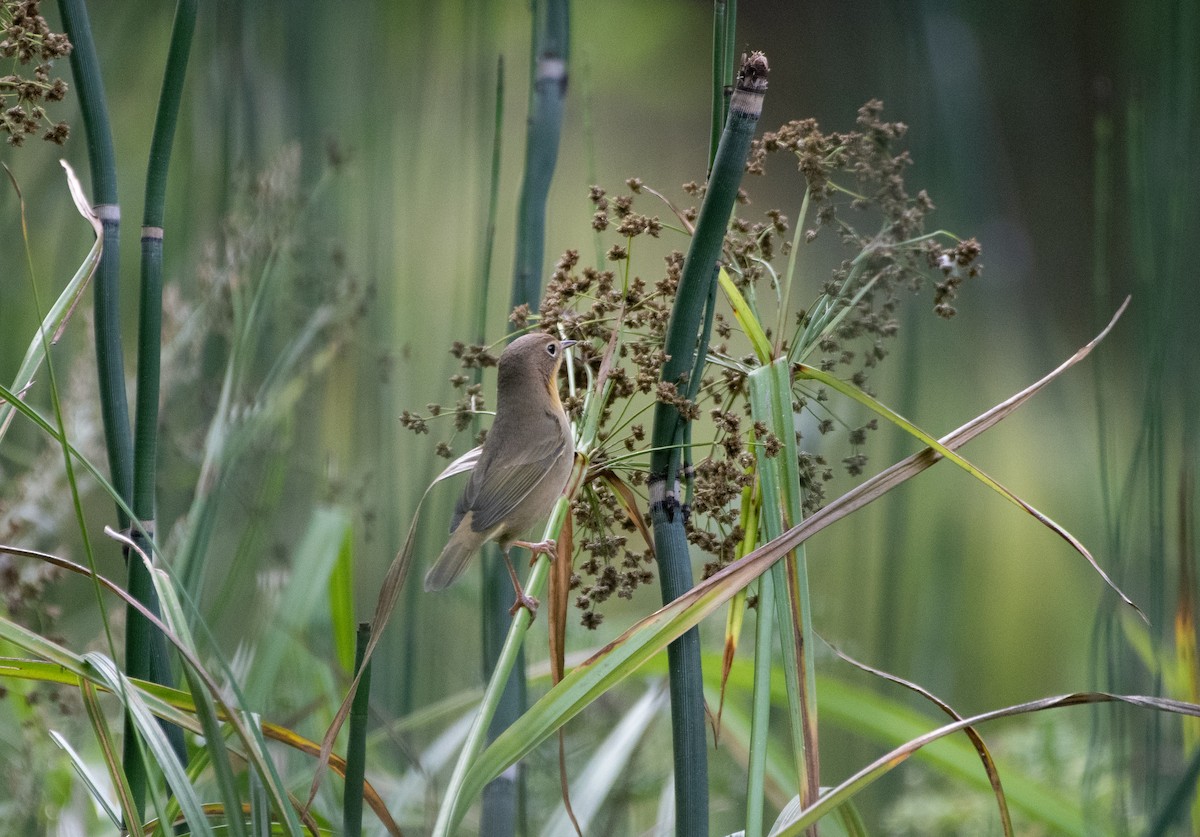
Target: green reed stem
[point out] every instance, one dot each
(682, 345)
(109, 359)
(114, 408)
(356, 745)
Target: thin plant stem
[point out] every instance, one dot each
(356, 747)
(110, 365)
(685, 346)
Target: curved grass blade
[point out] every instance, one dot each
(746, 319)
(165, 702)
(85, 773)
(60, 312)
(36, 644)
(214, 736)
(204, 688)
(156, 742)
(112, 761)
(851, 391)
(884, 764)
(985, 755)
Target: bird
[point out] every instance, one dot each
(526, 459)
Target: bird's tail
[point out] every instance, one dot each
(454, 558)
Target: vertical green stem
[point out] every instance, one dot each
(146, 648)
(549, 91)
(110, 363)
(720, 12)
(683, 344)
(764, 634)
(109, 359)
(356, 747)
(150, 310)
(723, 63)
(782, 508)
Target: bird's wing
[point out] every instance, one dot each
(507, 473)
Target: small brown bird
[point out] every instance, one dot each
(525, 462)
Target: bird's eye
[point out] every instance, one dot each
(552, 349)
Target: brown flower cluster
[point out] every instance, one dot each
(847, 174)
(859, 174)
(26, 39)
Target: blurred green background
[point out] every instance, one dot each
(1024, 119)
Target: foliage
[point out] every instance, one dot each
(279, 364)
(847, 323)
(27, 37)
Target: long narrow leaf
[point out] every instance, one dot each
(60, 312)
(167, 703)
(156, 742)
(254, 746)
(884, 764)
(891, 415)
(609, 765)
(746, 319)
(985, 755)
(85, 773)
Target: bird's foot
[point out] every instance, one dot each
(536, 548)
(524, 600)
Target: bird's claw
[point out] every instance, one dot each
(524, 601)
(547, 547)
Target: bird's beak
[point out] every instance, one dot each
(566, 344)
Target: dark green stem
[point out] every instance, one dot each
(720, 11)
(110, 364)
(142, 642)
(549, 90)
(109, 359)
(356, 746)
(686, 341)
(723, 62)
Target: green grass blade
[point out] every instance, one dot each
(341, 603)
(605, 770)
(60, 312)
(205, 695)
(1068, 822)
(85, 774)
(218, 754)
(771, 404)
(746, 318)
(764, 636)
(851, 391)
(156, 741)
(39, 646)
